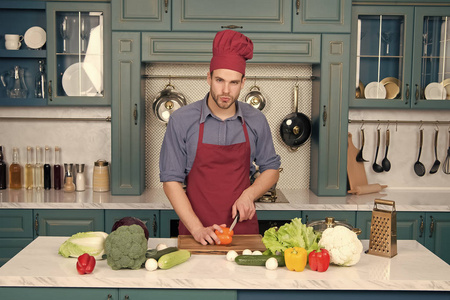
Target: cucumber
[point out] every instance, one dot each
(172, 259)
(258, 260)
(153, 253)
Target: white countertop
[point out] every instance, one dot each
(299, 199)
(413, 268)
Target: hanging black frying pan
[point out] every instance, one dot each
(295, 129)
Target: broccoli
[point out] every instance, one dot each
(126, 247)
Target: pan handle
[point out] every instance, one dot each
(296, 98)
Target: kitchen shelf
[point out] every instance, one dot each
(4, 101)
(23, 53)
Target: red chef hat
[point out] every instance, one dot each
(231, 49)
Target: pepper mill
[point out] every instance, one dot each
(69, 186)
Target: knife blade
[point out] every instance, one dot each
(236, 219)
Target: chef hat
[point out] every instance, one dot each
(231, 49)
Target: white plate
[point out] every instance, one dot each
(375, 90)
(435, 91)
(35, 37)
(76, 80)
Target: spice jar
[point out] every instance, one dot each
(101, 176)
(80, 178)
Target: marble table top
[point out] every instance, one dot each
(413, 268)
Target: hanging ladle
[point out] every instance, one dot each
(419, 168)
(437, 163)
(385, 162)
(376, 167)
(359, 156)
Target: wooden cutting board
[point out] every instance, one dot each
(355, 169)
(240, 243)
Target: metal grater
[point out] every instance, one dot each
(383, 230)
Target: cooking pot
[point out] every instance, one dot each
(296, 127)
(329, 222)
(166, 102)
(255, 98)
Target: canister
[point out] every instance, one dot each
(101, 176)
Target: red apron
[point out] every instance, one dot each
(218, 177)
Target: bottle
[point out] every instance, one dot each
(57, 170)
(38, 178)
(15, 172)
(69, 186)
(29, 170)
(47, 170)
(101, 176)
(40, 86)
(2, 170)
(80, 179)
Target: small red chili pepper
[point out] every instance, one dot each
(85, 264)
(319, 260)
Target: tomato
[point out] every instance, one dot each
(226, 236)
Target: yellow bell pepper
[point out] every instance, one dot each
(295, 258)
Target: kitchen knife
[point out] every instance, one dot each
(236, 219)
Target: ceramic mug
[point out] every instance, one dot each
(13, 41)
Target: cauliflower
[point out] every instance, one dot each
(343, 245)
(126, 247)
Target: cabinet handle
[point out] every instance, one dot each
(407, 94)
(421, 226)
(36, 224)
(50, 90)
(166, 5)
(135, 114)
(431, 226)
(126, 297)
(417, 93)
(306, 219)
(109, 296)
(232, 26)
(325, 115)
(154, 225)
(298, 6)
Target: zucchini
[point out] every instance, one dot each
(172, 259)
(153, 253)
(258, 260)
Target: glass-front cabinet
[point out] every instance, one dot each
(400, 57)
(78, 51)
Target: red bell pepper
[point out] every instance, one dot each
(85, 264)
(226, 236)
(319, 260)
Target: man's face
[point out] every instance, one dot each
(225, 87)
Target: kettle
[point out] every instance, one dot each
(14, 82)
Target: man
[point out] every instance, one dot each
(211, 145)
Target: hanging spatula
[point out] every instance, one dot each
(446, 166)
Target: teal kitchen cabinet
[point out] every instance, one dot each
(196, 47)
(322, 16)
(431, 229)
(329, 117)
(66, 222)
(149, 217)
(41, 293)
(16, 232)
(17, 17)
(343, 216)
(167, 294)
(141, 15)
(399, 57)
(79, 53)
(128, 114)
(248, 15)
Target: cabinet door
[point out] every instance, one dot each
(10, 247)
(16, 223)
(141, 15)
(149, 217)
(437, 234)
(381, 56)
(78, 51)
(329, 115)
(322, 16)
(13, 293)
(128, 115)
(166, 294)
(62, 222)
(431, 61)
(247, 15)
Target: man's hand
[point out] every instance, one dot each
(246, 207)
(206, 235)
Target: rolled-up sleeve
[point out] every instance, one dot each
(172, 159)
(265, 156)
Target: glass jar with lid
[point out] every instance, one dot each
(101, 176)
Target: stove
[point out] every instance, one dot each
(273, 196)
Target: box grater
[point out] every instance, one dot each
(383, 230)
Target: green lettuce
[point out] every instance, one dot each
(293, 234)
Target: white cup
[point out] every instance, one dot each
(13, 41)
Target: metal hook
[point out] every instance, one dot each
(421, 124)
(170, 80)
(396, 125)
(378, 126)
(362, 125)
(387, 127)
(437, 125)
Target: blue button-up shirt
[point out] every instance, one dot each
(180, 141)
